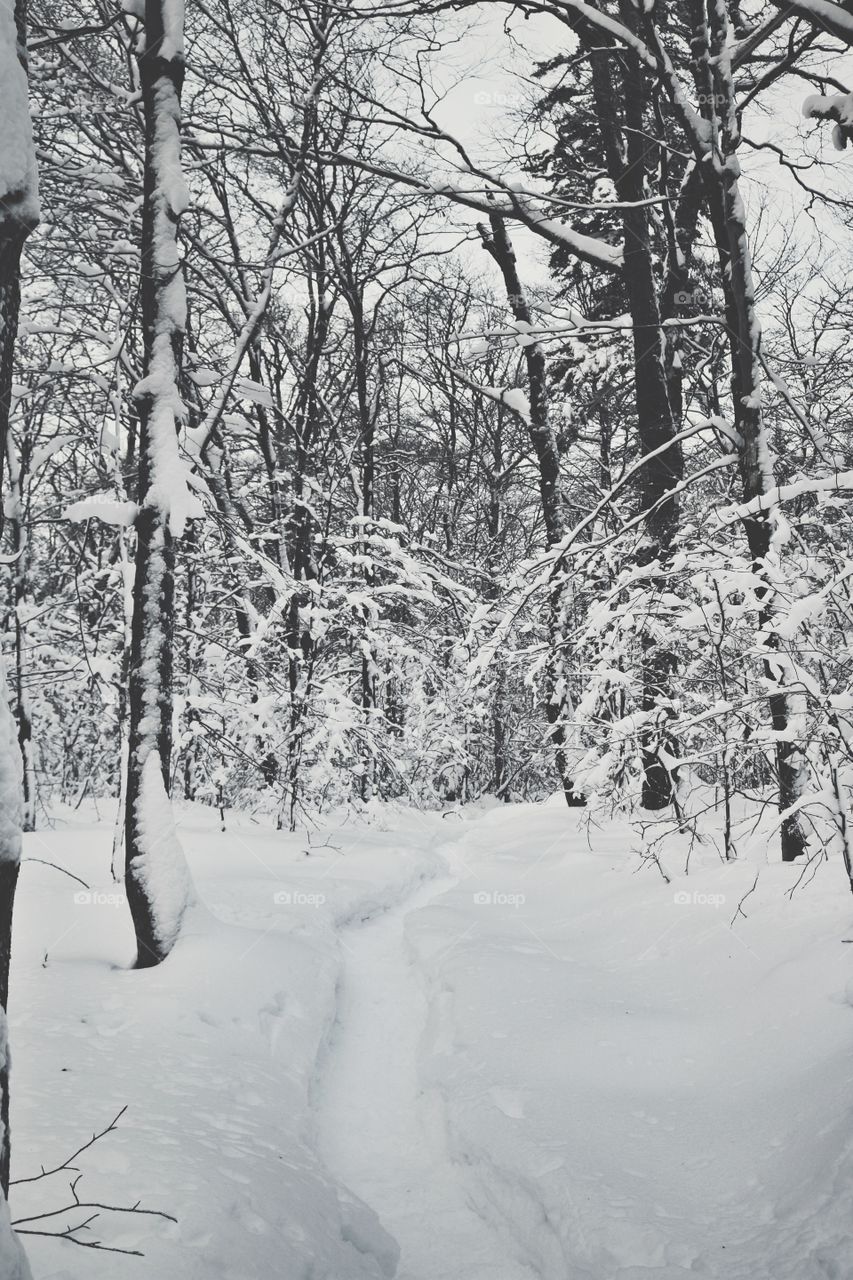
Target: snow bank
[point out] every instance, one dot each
(629, 1088)
(13, 1262)
(214, 1052)
(633, 1087)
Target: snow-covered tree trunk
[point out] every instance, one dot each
(495, 523)
(18, 216)
(127, 574)
(368, 409)
(497, 242)
(307, 424)
(756, 467)
(156, 879)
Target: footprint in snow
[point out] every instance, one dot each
(509, 1102)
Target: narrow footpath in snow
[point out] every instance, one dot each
(382, 1135)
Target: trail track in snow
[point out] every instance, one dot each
(380, 1133)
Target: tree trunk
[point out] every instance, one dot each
(656, 426)
(722, 174)
(20, 594)
(156, 880)
(367, 413)
(497, 242)
(18, 216)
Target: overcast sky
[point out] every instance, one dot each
(484, 77)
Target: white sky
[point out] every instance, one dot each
(484, 80)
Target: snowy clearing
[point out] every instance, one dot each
(426, 549)
(486, 1045)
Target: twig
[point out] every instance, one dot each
(56, 867)
(66, 1164)
(738, 911)
(70, 1232)
(84, 1244)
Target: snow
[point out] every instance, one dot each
(170, 488)
(675, 1076)
(379, 1133)
(818, 106)
(18, 181)
(173, 29)
(11, 767)
(487, 1045)
(161, 867)
(827, 15)
(247, 389)
(838, 107)
(204, 377)
(13, 1262)
(215, 1051)
(105, 508)
(588, 248)
(515, 399)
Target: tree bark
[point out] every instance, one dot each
(19, 583)
(656, 425)
(149, 838)
(18, 216)
(721, 173)
(497, 242)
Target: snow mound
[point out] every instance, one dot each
(214, 1052)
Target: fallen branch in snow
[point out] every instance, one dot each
(45, 863)
(325, 844)
(70, 1232)
(84, 1244)
(67, 1165)
(738, 910)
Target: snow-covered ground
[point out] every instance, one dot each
(489, 1045)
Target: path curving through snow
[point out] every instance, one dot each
(379, 1133)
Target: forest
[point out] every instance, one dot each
(426, 578)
